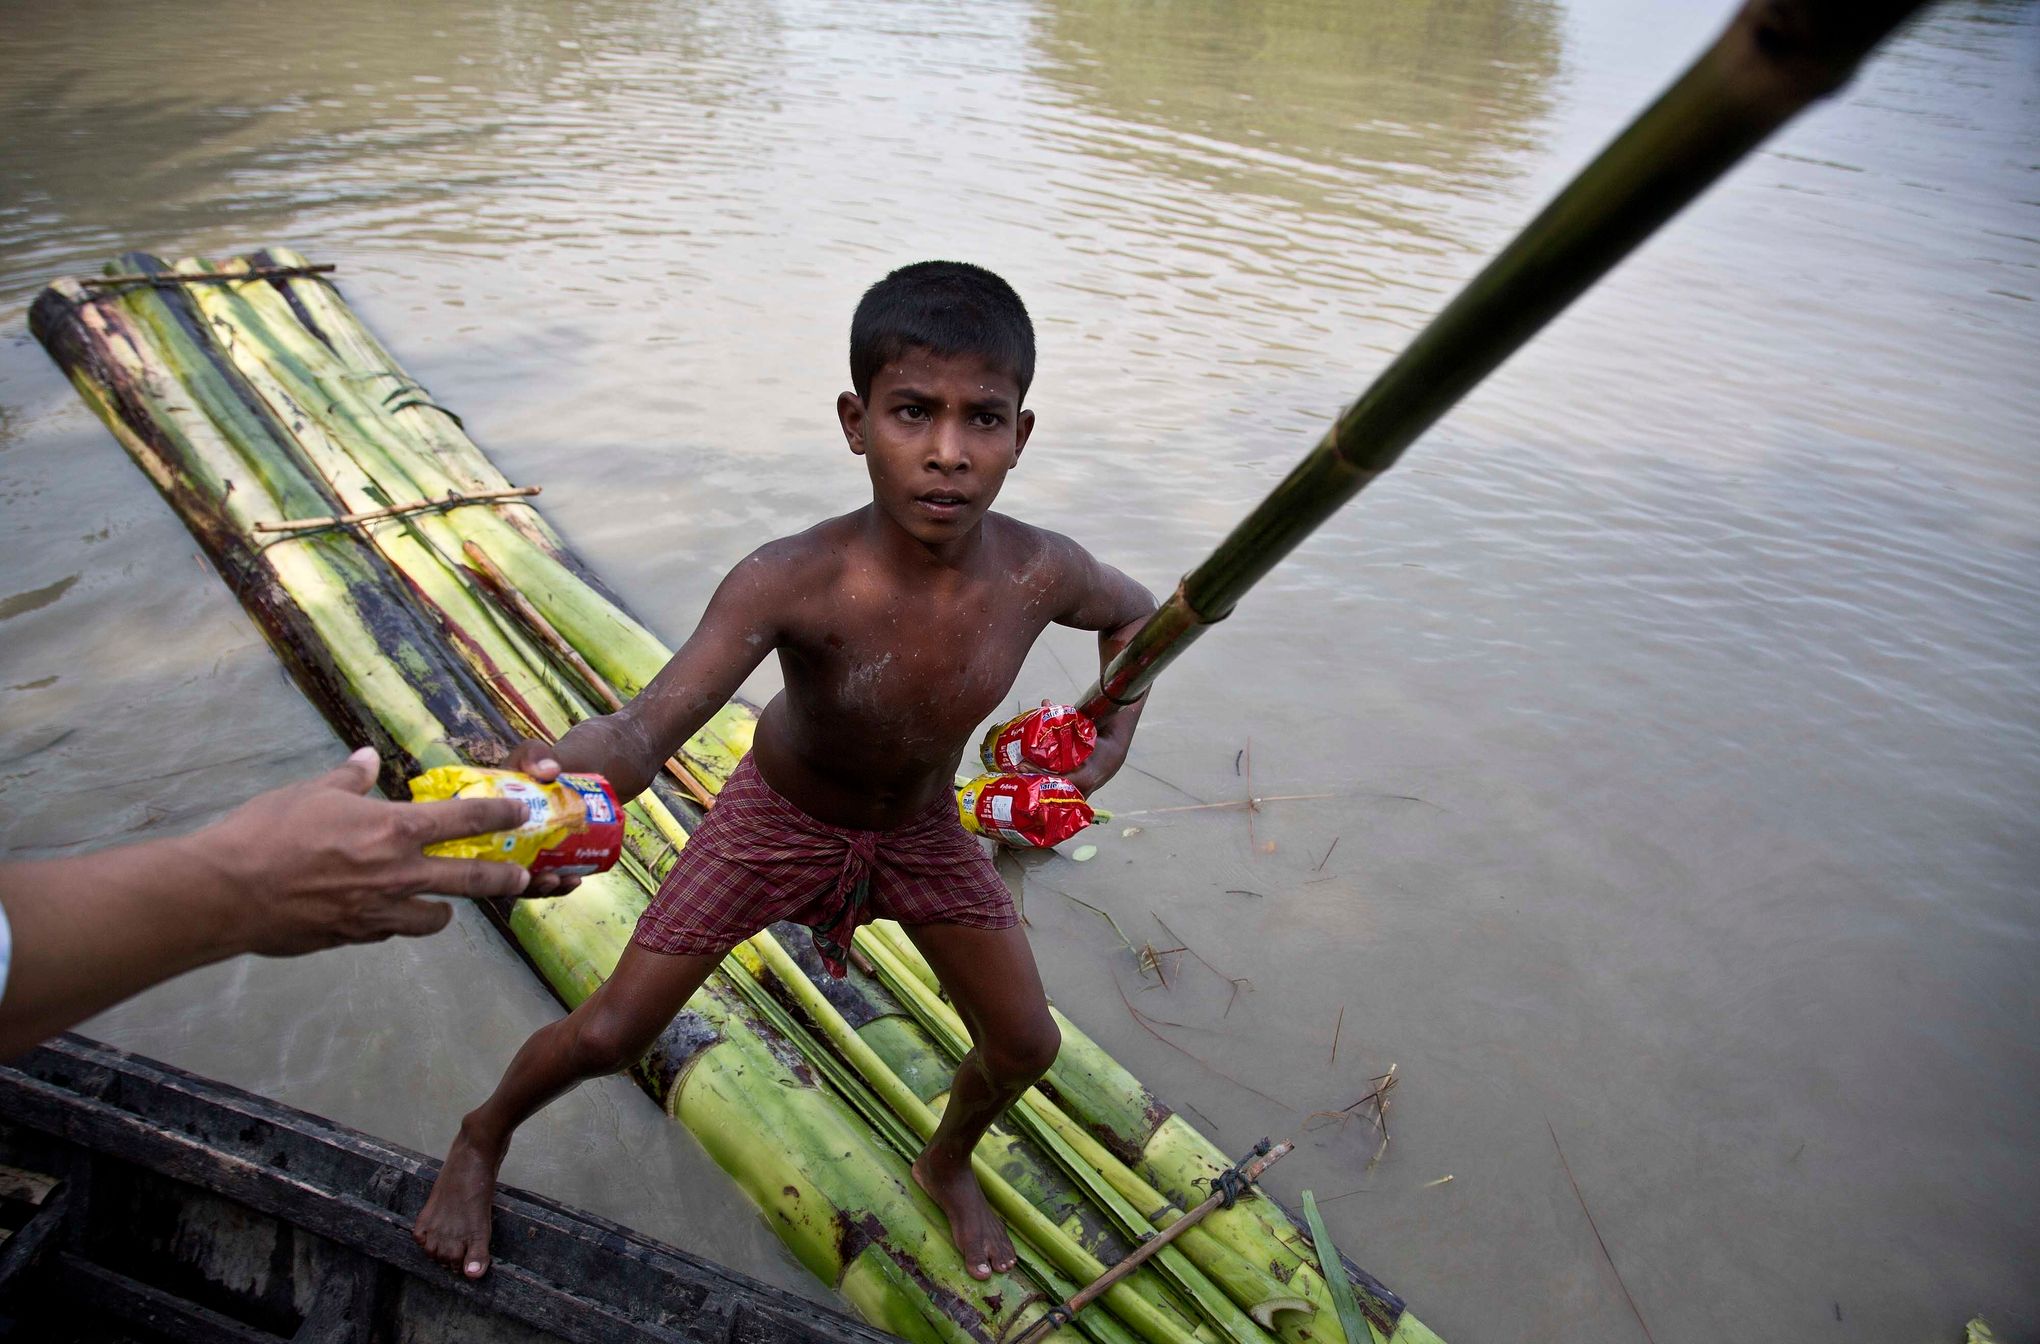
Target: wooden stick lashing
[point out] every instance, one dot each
(398, 510)
(1248, 1172)
(180, 278)
(539, 626)
(542, 630)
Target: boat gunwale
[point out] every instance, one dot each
(574, 1273)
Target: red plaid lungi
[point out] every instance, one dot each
(758, 859)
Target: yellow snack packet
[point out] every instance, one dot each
(574, 827)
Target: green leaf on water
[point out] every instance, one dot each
(1083, 853)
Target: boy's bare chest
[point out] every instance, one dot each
(885, 659)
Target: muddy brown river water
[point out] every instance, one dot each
(1677, 700)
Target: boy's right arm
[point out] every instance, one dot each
(739, 627)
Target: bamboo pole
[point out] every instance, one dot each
(929, 1071)
(539, 626)
(572, 599)
(319, 605)
(752, 978)
(1775, 57)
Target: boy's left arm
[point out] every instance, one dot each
(1106, 600)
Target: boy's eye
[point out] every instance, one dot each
(914, 413)
(987, 420)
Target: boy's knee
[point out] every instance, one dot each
(604, 1043)
(1023, 1056)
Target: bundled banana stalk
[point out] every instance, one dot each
(445, 620)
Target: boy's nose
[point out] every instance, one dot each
(946, 449)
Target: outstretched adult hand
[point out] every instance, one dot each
(303, 867)
(355, 867)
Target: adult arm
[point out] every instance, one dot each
(308, 866)
(1101, 598)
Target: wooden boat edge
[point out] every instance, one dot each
(565, 1271)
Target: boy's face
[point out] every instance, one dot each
(938, 434)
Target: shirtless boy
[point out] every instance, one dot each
(900, 628)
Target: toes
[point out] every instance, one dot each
(1003, 1255)
(981, 1270)
(475, 1260)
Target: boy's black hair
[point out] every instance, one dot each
(948, 307)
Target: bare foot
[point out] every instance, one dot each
(453, 1227)
(977, 1231)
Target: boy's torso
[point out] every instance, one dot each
(889, 668)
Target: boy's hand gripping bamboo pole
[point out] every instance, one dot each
(1229, 1186)
(1775, 57)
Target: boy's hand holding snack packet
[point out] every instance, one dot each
(1025, 799)
(572, 825)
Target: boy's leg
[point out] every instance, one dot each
(990, 977)
(610, 1031)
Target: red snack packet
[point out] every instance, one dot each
(1051, 740)
(594, 848)
(1031, 811)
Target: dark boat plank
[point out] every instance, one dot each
(323, 1161)
(126, 1299)
(344, 1310)
(26, 1246)
(509, 1288)
(568, 1273)
(31, 1187)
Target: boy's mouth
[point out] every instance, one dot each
(943, 503)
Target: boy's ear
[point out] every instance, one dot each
(850, 413)
(1023, 425)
